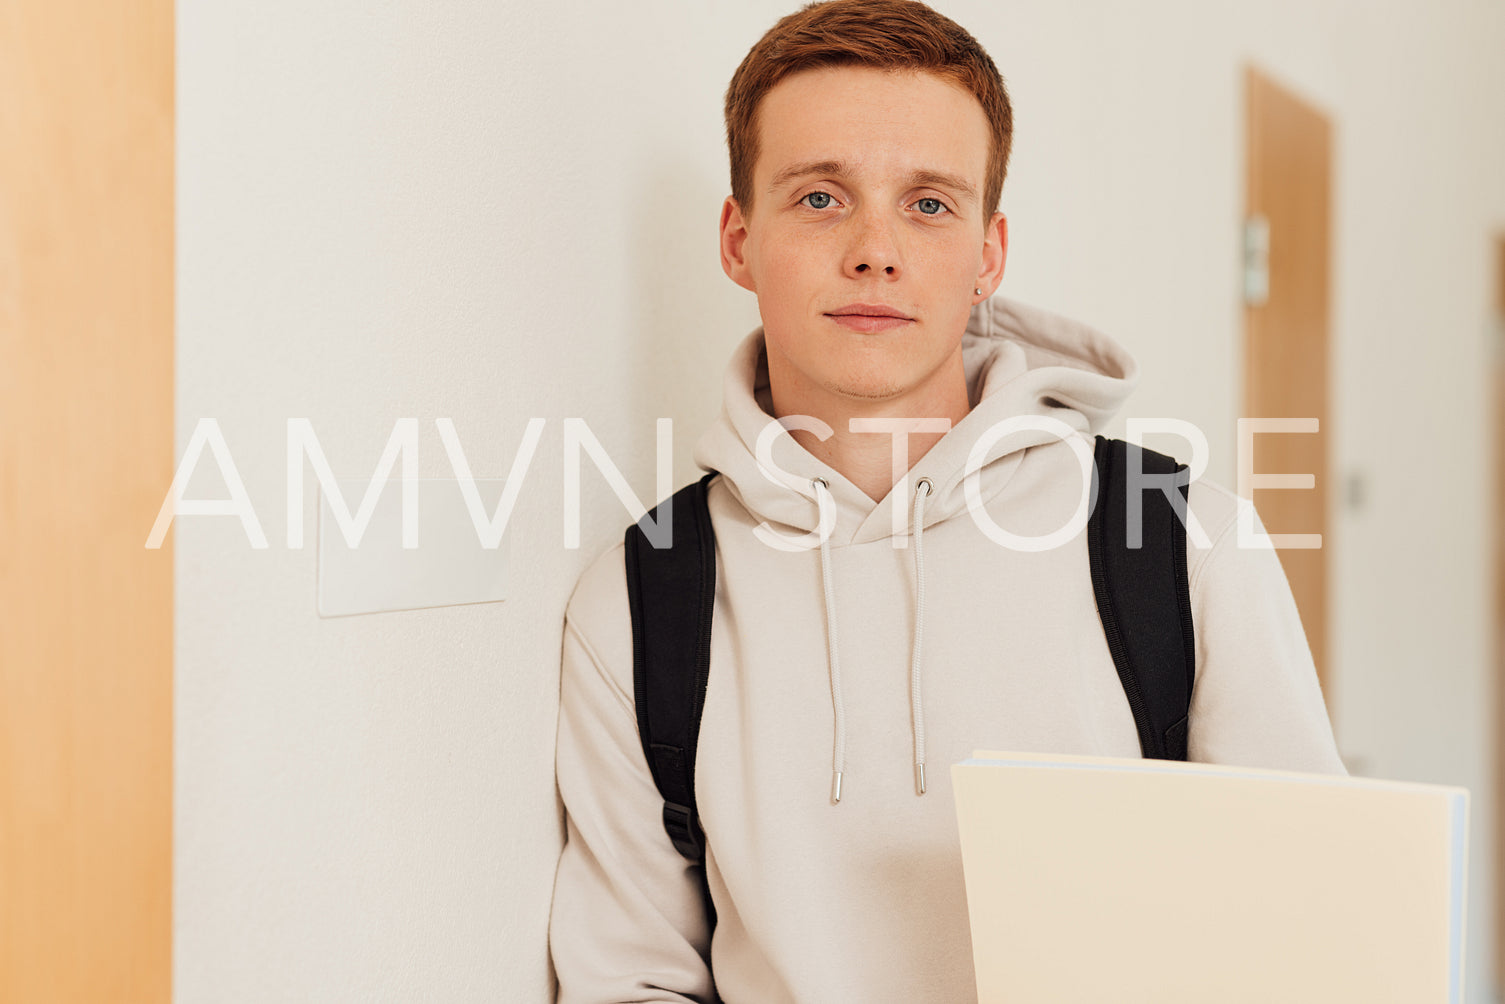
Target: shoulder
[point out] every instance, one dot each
(601, 589)
(1213, 528)
(598, 623)
(599, 608)
(1239, 582)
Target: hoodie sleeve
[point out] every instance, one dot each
(1256, 701)
(628, 922)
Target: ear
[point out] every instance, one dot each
(995, 252)
(734, 245)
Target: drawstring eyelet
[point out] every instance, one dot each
(925, 484)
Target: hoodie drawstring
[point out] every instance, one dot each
(839, 739)
(917, 714)
(922, 490)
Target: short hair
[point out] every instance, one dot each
(884, 34)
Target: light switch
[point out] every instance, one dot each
(450, 566)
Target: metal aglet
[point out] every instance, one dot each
(835, 787)
(919, 779)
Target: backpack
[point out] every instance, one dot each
(1142, 596)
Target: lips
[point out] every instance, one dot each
(868, 310)
(869, 317)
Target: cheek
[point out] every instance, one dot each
(958, 258)
(788, 266)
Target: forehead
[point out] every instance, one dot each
(881, 122)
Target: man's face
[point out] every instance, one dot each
(868, 191)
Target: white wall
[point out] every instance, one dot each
(494, 211)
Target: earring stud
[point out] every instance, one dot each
(977, 291)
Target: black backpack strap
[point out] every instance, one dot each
(1143, 596)
(671, 593)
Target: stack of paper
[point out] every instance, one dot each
(1113, 881)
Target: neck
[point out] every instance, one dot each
(875, 442)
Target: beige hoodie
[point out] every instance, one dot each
(878, 651)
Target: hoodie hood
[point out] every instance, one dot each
(1019, 361)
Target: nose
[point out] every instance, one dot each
(874, 246)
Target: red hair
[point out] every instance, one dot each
(884, 34)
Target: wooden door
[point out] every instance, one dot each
(86, 456)
(1288, 181)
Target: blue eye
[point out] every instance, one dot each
(938, 203)
(818, 195)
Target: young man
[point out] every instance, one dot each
(866, 620)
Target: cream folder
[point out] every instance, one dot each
(1110, 881)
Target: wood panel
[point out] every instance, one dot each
(1289, 153)
(86, 455)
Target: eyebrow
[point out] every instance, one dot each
(839, 169)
